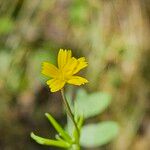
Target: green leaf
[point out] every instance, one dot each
(95, 135)
(90, 105)
(44, 141)
(58, 128)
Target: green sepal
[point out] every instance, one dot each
(58, 128)
(49, 142)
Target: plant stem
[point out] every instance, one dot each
(69, 112)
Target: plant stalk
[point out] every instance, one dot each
(70, 114)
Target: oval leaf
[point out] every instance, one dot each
(95, 135)
(90, 105)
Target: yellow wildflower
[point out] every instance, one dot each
(68, 66)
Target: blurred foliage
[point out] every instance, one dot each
(94, 135)
(91, 105)
(83, 102)
(114, 37)
(6, 25)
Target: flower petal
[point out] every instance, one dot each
(81, 63)
(55, 84)
(63, 57)
(69, 67)
(49, 70)
(76, 80)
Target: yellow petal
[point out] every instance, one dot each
(76, 80)
(63, 57)
(55, 84)
(69, 67)
(81, 63)
(49, 70)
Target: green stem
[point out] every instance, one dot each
(70, 114)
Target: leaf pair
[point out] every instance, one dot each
(90, 105)
(63, 139)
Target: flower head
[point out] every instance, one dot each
(68, 66)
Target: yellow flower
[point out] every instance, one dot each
(68, 66)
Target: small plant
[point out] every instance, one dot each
(75, 135)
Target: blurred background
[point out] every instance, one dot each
(114, 36)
